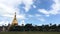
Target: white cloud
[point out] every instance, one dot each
(34, 6)
(7, 15)
(3, 23)
(21, 16)
(38, 15)
(54, 11)
(6, 8)
(55, 7)
(28, 4)
(10, 6)
(42, 19)
(44, 11)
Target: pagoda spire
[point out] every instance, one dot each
(15, 22)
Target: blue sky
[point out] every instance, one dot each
(37, 12)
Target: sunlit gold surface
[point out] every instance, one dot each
(15, 22)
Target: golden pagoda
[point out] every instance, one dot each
(15, 22)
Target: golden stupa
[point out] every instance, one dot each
(15, 22)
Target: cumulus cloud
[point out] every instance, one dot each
(7, 7)
(54, 11)
(43, 11)
(55, 7)
(3, 23)
(28, 4)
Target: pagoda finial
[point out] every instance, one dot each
(15, 14)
